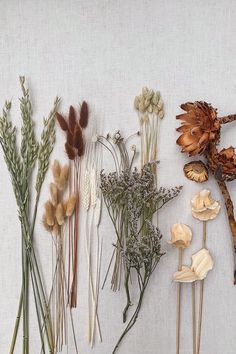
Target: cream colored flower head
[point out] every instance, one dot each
(181, 235)
(202, 262)
(204, 207)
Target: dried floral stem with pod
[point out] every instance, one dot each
(57, 212)
(74, 147)
(20, 164)
(181, 236)
(200, 135)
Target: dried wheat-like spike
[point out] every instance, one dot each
(97, 213)
(49, 213)
(83, 121)
(86, 191)
(59, 214)
(54, 193)
(70, 151)
(70, 205)
(62, 122)
(62, 182)
(56, 170)
(45, 224)
(93, 187)
(72, 118)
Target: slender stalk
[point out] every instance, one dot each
(178, 304)
(201, 295)
(194, 316)
(129, 303)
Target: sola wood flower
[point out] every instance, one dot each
(204, 207)
(196, 171)
(181, 235)
(202, 262)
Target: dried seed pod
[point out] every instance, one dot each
(70, 151)
(72, 119)
(70, 205)
(83, 121)
(54, 193)
(45, 224)
(62, 182)
(59, 214)
(56, 170)
(56, 229)
(49, 213)
(196, 171)
(62, 122)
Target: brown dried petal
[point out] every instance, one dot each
(72, 118)
(196, 171)
(62, 122)
(83, 121)
(70, 151)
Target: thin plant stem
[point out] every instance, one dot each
(178, 303)
(194, 316)
(204, 234)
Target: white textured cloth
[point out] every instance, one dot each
(105, 52)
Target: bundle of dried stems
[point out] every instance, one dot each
(75, 148)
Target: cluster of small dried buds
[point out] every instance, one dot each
(58, 210)
(149, 102)
(74, 145)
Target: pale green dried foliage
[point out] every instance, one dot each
(46, 145)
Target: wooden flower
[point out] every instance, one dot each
(181, 235)
(196, 171)
(223, 163)
(204, 207)
(202, 262)
(200, 126)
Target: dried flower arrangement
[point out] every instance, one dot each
(204, 208)
(75, 148)
(21, 163)
(200, 135)
(132, 199)
(57, 212)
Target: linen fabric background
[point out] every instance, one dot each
(105, 52)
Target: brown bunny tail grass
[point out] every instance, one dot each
(53, 193)
(70, 205)
(59, 214)
(70, 151)
(81, 150)
(70, 138)
(62, 122)
(72, 119)
(78, 138)
(49, 213)
(56, 169)
(83, 121)
(56, 229)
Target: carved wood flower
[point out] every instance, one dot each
(204, 207)
(181, 235)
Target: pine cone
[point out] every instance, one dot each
(200, 127)
(223, 163)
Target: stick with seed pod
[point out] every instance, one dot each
(181, 236)
(204, 208)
